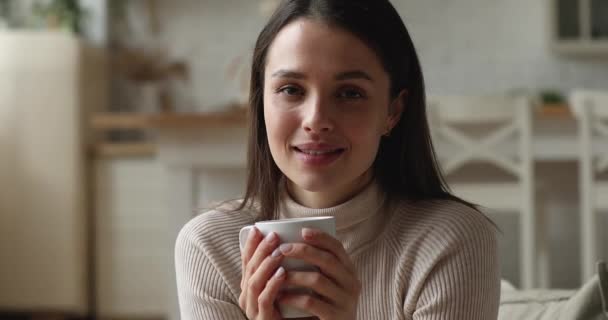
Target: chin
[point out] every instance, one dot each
(314, 184)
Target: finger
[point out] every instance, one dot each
(262, 275)
(310, 304)
(251, 309)
(253, 240)
(263, 250)
(320, 284)
(259, 279)
(243, 300)
(326, 261)
(266, 300)
(326, 242)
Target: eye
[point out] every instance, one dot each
(351, 93)
(290, 91)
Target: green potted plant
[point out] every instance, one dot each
(5, 13)
(553, 102)
(61, 14)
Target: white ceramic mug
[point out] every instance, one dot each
(290, 231)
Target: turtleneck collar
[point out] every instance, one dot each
(356, 210)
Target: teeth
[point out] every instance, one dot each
(316, 153)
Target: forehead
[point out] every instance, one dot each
(314, 45)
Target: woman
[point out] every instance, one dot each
(338, 127)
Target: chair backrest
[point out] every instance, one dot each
(595, 102)
(505, 141)
(495, 130)
(591, 109)
(472, 109)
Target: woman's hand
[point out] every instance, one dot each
(336, 285)
(262, 276)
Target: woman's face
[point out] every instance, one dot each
(326, 107)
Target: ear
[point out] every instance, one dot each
(396, 110)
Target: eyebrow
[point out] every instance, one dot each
(353, 74)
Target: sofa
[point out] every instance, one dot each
(590, 302)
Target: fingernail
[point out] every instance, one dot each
(279, 273)
(308, 233)
(285, 247)
(271, 237)
(276, 253)
(253, 232)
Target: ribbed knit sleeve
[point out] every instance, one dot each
(463, 274)
(202, 290)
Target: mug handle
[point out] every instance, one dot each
(243, 234)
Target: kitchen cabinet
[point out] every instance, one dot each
(133, 257)
(49, 81)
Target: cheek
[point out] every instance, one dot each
(280, 126)
(364, 127)
(365, 137)
(366, 141)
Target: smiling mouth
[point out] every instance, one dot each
(319, 153)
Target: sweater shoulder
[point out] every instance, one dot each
(207, 261)
(449, 252)
(213, 236)
(441, 221)
(215, 228)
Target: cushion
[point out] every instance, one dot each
(590, 302)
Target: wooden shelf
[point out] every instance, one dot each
(236, 116)
(140, 149)
(555, 110)
(109, 121)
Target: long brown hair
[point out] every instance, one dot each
(405, 166)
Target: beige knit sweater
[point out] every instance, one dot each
(424, 260)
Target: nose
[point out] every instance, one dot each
(316, 118)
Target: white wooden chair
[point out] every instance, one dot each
(495, 130)
(591, 111)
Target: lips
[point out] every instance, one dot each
(318, 154)
(317, 146)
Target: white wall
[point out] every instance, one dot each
(208, 34)
(466, 46)
(470, 46)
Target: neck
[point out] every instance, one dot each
(331, 197)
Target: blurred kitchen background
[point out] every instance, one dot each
(120, 120)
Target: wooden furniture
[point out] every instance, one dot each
(579, 26)
(103, 122)
(591, 110)
(48, 83)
